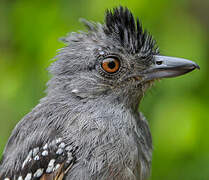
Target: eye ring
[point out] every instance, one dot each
(110, 64)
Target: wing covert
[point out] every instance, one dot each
(50, 161)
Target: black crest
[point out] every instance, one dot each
(121, 25)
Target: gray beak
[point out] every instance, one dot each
(165, 67)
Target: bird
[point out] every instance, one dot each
(88, 126)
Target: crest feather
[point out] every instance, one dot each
(121, 25)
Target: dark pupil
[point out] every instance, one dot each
(111, 64)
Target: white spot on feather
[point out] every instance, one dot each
(75, 91)
(50, 166)
(45, 153)
(38, 173)
(28, 177)
(20, 178)
(45, 146)
(56, 167)
(36, 158)
(62, 145)
(59, 151)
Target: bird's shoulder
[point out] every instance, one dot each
(37, 148)
(50, 161)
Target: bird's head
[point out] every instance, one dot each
(117, 60)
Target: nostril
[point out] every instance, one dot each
(159, 62)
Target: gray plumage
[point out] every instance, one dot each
(93, 112)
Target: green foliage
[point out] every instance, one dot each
(176, 108)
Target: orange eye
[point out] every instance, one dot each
(111, 65)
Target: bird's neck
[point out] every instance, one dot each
(130, 100)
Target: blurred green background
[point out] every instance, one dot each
(177, 109)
